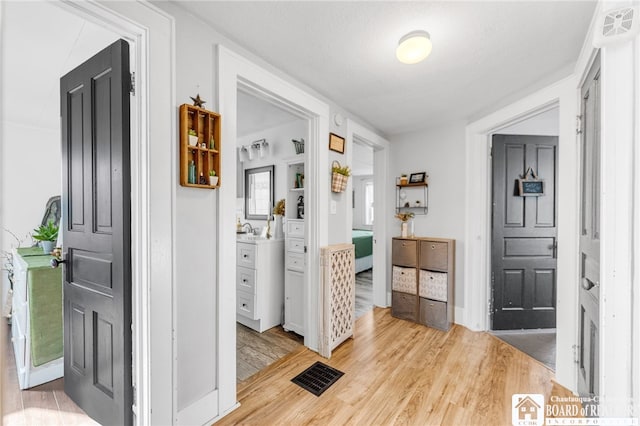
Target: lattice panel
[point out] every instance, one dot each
(338, 295)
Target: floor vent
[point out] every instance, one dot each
(317, 378)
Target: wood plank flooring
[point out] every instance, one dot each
(42, 405)
(255, 351)
(398, 372)
(364, 292)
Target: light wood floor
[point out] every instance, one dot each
(255, 351)
(398, 372)
(42, 405)
(364, 292)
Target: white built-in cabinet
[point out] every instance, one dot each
(295, 248)
(259, 283)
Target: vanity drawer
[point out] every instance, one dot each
(433, 285)
(404, 280)
(295, 228)
(404, 252)
(296, 245)
(246, 280)
(295, 261)
(433, 314)
(433, 255)
(246, 305)
(246, 255)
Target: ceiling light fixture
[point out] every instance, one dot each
(414, 47)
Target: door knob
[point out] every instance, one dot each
(57, 262)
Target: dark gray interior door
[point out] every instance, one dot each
(524, 234)
(96, 231)
(589, 284)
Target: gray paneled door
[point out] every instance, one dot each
(589, 283)
(524, 234)
(96, 230)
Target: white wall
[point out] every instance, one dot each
(439, 152)
(198, 211)
(31, 167)
(358, 209)
(281, 147)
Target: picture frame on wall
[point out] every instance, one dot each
(336, 143)
(417, 177)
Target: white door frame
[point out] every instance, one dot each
(477, 263)
(150, 33)
(380, 145)
(235, 70)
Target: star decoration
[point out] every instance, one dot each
(197, 101)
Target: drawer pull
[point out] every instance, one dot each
(433, 246)
(431, 277)
(245, 255)
(244, 280)
(244, 305)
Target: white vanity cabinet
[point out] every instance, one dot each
(36, 320)
(259, 283)
(294, 277)
(295, 253)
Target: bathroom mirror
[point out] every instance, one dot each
(258, 192)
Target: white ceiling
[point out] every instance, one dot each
(52, 43)
(485, 54)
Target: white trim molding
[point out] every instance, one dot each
(150, 33)
(618, 126)
(477, 263)
(235, 70)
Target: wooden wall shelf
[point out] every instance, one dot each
(205, 158)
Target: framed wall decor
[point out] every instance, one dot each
(417, 177)
(336, 143)
(533, 187)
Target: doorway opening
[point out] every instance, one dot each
(64, 38)
(524, 235)
(270, 188)
(363, 208)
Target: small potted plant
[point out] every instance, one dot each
(213, 179)
(47, 235)
(339, 177)
(404, 225)
(278, 213)
(193, 137)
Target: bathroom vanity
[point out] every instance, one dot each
(259, 282)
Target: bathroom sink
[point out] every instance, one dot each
(250, 237)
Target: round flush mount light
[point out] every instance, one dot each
(414, 47)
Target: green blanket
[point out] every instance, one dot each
(45, 307)
(363, 240)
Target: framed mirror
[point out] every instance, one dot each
(258, 192)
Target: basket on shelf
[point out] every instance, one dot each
(298, 145)
(338, 180)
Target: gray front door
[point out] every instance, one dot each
(589, 283)
(96, 230)
(523, 254)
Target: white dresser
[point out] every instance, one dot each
(36, 320)
(260, 283)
